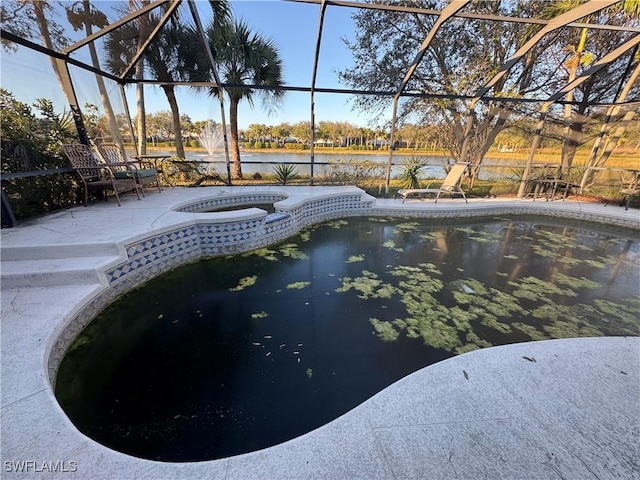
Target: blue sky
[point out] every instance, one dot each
(293, 26)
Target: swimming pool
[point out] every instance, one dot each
(234, 354)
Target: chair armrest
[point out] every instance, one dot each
(147, 164)
(129, 165)
(99, 172)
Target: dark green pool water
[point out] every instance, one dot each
(229, 355)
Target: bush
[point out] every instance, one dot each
(354, 172)
(294, 146)
(284, 173)
(194, 143)
(259, 145)
(39, 137)
(411, 168)
(274, 145)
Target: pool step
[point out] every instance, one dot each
(55, 271)
(39, 252)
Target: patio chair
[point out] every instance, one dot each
(539, 181)
(143, 172)
(629, 188)
(95, 175)
(450, 185)
(554, 182)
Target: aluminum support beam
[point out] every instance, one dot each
(142, 48)
(113, 26)
(596, 67)
(207, 48)
(454, 7)
(127, 112)
(323, 8)
(67, 87)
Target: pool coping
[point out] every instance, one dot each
(34, 318)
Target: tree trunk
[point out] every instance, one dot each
(502, 116)
(141, 113)
(43, 25)
(612, 143)
(602, 148)
(235, 146)
(104, 96)
(144, 32)
(169, 91)
(573, 129)
(572, 138)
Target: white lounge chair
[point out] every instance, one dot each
(450, 185)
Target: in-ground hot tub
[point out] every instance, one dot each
(225, 202)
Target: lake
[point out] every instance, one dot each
(264, 162)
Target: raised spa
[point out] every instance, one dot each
(234, 354)
(231, 202)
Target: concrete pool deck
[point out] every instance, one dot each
(555, 409)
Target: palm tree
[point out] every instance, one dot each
(165, 59)
(244, 58)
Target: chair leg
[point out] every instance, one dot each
(115, 190)
(140, 186)
(137, 188)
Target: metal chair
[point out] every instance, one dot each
(143, 172)
(629, 188)
(96, 176)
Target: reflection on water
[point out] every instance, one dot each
(230, 355)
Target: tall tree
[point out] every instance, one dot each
(244, 58)
(81, 15)
(165, 58)
(302, 131)
(463, 55)
(579, 57)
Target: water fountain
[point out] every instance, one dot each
(212, 139)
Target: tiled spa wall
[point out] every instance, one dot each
(223, 200)
(154, 255)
